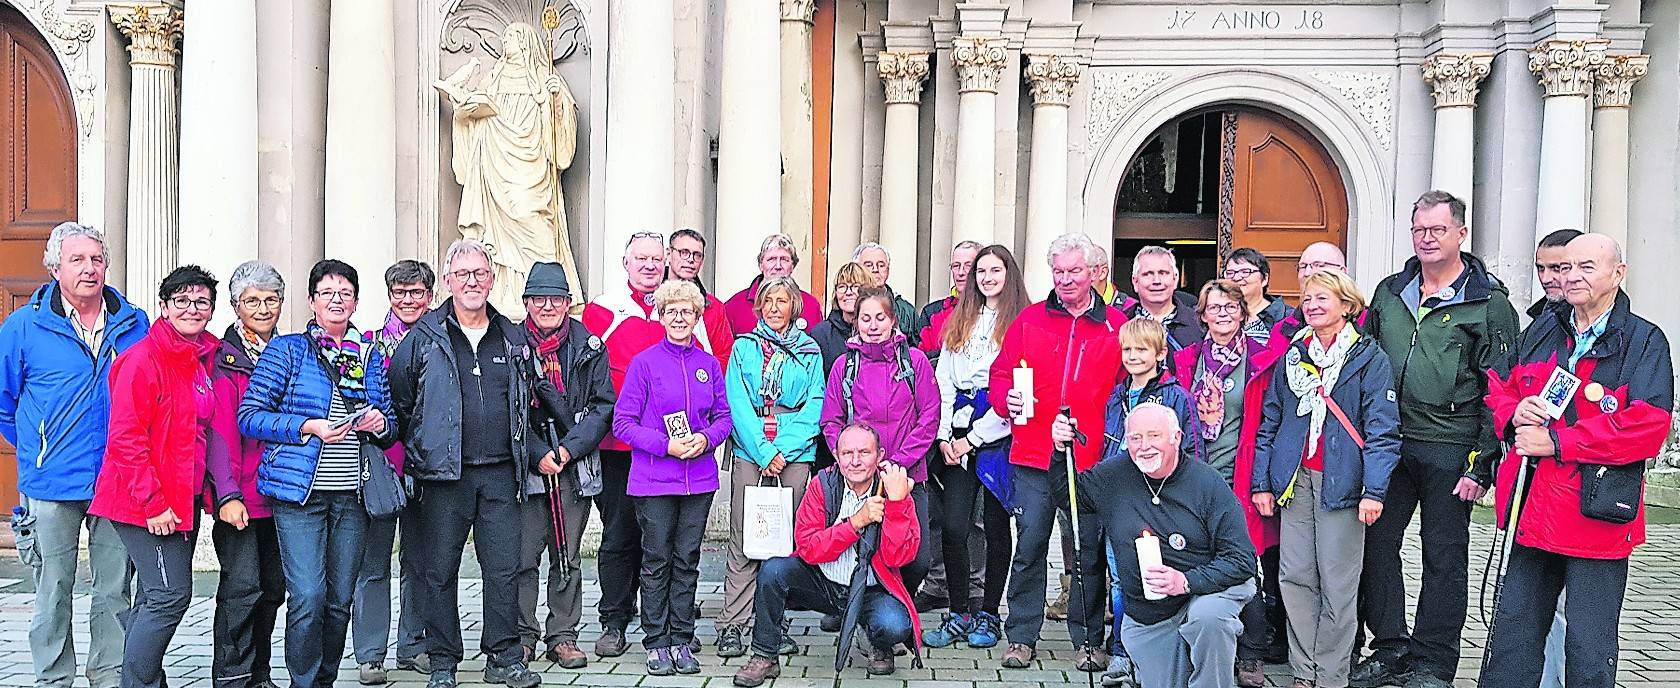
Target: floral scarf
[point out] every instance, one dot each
(345, 357)
(1311, 380)
(778, 350)
(1219, 361)
(385, 341)
(548, 351)
(253, 344)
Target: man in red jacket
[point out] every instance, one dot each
(1581, 512)
(858, 491)
(1071, 343)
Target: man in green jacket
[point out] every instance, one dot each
(1443, 320)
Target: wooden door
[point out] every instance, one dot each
(37, 174)
(1285, 192)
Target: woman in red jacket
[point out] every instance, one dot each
(162, 406)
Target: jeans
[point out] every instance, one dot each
(786, 581)
(961, 487)
(1528, 600)
(1423, 481)
(320, 551)
(370, 621)
(620, 557)
(163, 573)
(565, 599)
(1195, 647)
(249, 592)
(672, 528)
(58, 527)
(1038, 495)
(484, 501)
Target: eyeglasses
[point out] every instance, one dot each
(470, 276)
(342, 296)
(688, 256)
(849, 286)
(545, 302)
(252, 303)
(1239, 274)
(1222, 308)
(184, 303)
(1317, 265)
(420, 294)
(681, 313)
(1434, 232)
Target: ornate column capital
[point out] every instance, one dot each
(799, 10)
(1566, 68)
(979, 62)
(1052, 77)
(903, 74)
(1456, 79)
(153, 30)
(1613, 80)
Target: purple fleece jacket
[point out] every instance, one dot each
(904, 412)
(664, 379)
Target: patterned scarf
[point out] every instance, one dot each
(778, 349)
(1312, 379)
(1218, 362)
(548, 351)
(385, 341)
(345, 357)
(254, 344)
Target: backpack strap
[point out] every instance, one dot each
(848, 377)
(1336, 410)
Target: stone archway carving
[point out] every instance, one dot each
(71, 37)
(1355, 141)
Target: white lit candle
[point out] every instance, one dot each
(1149, 554)
(1024, 382)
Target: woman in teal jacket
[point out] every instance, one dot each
(775, 387)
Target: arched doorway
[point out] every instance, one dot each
(1226, 177)
(37, 174)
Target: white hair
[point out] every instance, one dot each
(254, 274)
(1068, 243)
(1153, 407)
(463, 247)
(1162, 251)
(857, 253)
(780, 241)
(1102, 256)
(966, 243)
(65, 230)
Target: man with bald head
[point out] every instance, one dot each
(1581, 514)
(1316, 257)
(1188, 638)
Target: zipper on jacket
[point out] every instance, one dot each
(41, 456)
(1400, 385)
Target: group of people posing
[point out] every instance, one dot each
(1232, 475)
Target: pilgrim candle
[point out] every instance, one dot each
(1149, 554)
(1024, 382)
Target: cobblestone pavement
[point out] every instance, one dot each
(1650, 638)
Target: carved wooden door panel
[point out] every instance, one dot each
(37, 174)
(1285, 192)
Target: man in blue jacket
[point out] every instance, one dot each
(55, 355)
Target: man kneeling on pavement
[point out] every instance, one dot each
(830, 528)
(1180, 623)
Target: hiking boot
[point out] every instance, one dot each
(1250, 673)
(731, 642)
(682, 659)
(419, 664)
(788, 646)
(371, 674)
(1019, 656)
(567, 655)
(515, 675)
(1090, 659)
(986, 632)
(757, 671)
(1057, 611)
(442, 679)
(1118, 673)
(881, 662)
(955, 629)
(831, 623)
(612, 642)
(659, 662)
(1376, 671)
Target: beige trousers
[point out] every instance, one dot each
(740, 583)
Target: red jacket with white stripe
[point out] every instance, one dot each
(1619, 415)
(1075, 362)
(624, 321)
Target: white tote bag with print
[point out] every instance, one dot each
(767, 521)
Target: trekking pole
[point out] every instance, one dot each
(1519, 493)
(1077, 576)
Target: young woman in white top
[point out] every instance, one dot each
(973, 437)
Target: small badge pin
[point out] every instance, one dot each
(1230, 384)
(1446, 317)
(701, 375)
(1594, 392)
(594, 342)
(1608, 404)
(1176, 541)
(800, 323)
(1294, 358)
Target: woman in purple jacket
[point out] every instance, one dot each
(673, 413)
(884, 382)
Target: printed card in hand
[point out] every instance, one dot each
(676, 425)
(1559, 390)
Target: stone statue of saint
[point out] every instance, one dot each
(513, 135)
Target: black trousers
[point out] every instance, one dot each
(1256, 628)
(1423, 481)
(162, 593)
(917, 570)
(619, 561)
(672, 528)
(249, 592)
(484, 502)
(960, 487)
(1038, 495)
(1528, 599)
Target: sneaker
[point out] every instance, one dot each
(1057, 611)
(881, 662)
(419, 664)
(757, 671)
(659, 662)
(1376, 671)
(1090, 659)
(1019, 656)
(372, 674)
(831, 623)
(682, 658)
(567, 655)
(694, 645)
(788, 646)
(986, 632)
(515, 675)
(955, 629)
(1424, 679)
(731, 643)
(1118, 673)
(442, 679)
(1250, 673)
(612, 642)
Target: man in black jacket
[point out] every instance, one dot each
(1155, 279)
(465, 366)
(574, 361)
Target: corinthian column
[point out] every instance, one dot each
(1612, 92)
(979, 62)
(219, 136)
(902, 74)
(1455, 81)
(1565, 69)
(749, 141)
(154, 184)
(796, 129)
(362, 145)
(1052, 78)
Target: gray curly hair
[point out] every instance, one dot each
(65, 230)
(254, 274)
